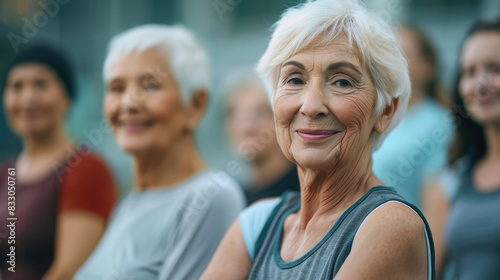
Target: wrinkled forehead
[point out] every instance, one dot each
(326, 51)
(135, 64)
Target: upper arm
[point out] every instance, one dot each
(390, 244)
(200, 232)
(436, 207)
(252, 221)
(88, 186)
(78, 233)
(231, 260)
(87, 196)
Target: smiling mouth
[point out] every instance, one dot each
(136, 126)
(486, 100)
(310, 135)
(31, 114)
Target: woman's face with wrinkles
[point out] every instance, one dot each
(324, 106)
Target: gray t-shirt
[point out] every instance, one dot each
(167, 233)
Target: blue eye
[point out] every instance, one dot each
(152, 86)
(116, 89)
(295, 81)
(343, 83)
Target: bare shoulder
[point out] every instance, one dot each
(390, 244)
(396, 225)
(231, 260)
(393, 217)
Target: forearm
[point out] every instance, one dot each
(57, 272)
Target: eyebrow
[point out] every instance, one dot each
(114, 79)
(332, 67)
(294, 63)
(141, 79)
(335, 66)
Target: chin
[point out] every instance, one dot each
(32, 130)
(315, 161)
(132, 147)
(485, 118)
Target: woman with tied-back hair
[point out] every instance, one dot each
(338, 83)
(464, 202)
(418, 147)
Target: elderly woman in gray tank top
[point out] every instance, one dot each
(338, 83)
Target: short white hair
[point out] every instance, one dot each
(187, 58)
(376, 40)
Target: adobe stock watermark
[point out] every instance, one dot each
(427, 146)
(390, 8)
(205, 195)
(424, 148)
(250, 147)
(85, 147)
(49, 9)
(222, 7)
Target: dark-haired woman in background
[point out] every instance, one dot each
(418, 146)
(63, 195)
(463, 204)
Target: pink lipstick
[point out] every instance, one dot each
(311, 135)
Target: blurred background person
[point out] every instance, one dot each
(234, 33)
(250, 125)
(63, 194)
(462, 205)
(418, 147)
(170, 224)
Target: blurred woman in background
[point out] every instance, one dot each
(250, 125)
(418, 147)
(63, 195)
(463, 204)
(168, 227)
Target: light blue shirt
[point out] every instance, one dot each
(415, 150)
(168, 233)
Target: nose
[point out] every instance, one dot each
(131, 98)
(483, 85)
(314, 101)
(28, 95)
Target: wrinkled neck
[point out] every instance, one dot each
(166, 168)
(333, 190)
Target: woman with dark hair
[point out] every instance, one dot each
(463, 204)
(413, 152)
(60, 196)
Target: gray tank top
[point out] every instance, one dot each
(473, 233)
(325, 259)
